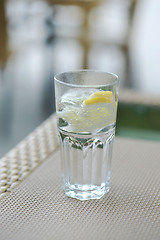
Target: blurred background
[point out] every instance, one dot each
(39, 38)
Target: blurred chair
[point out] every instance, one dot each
(84, 39)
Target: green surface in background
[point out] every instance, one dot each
(138, 121)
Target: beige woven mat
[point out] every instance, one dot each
(27, 155)
(38, 209)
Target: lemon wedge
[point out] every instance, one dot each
(100, 97)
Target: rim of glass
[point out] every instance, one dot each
(115, 81)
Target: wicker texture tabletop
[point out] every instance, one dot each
(27, 155)
(38, 209)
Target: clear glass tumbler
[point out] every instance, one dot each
(86, 107)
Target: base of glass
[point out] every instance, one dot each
(86, 192)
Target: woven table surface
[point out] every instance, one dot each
(37, 208)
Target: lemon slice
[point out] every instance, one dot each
(86, 119)
(99, 97)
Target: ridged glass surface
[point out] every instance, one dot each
(86, 163)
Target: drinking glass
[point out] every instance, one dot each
(86, 108)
